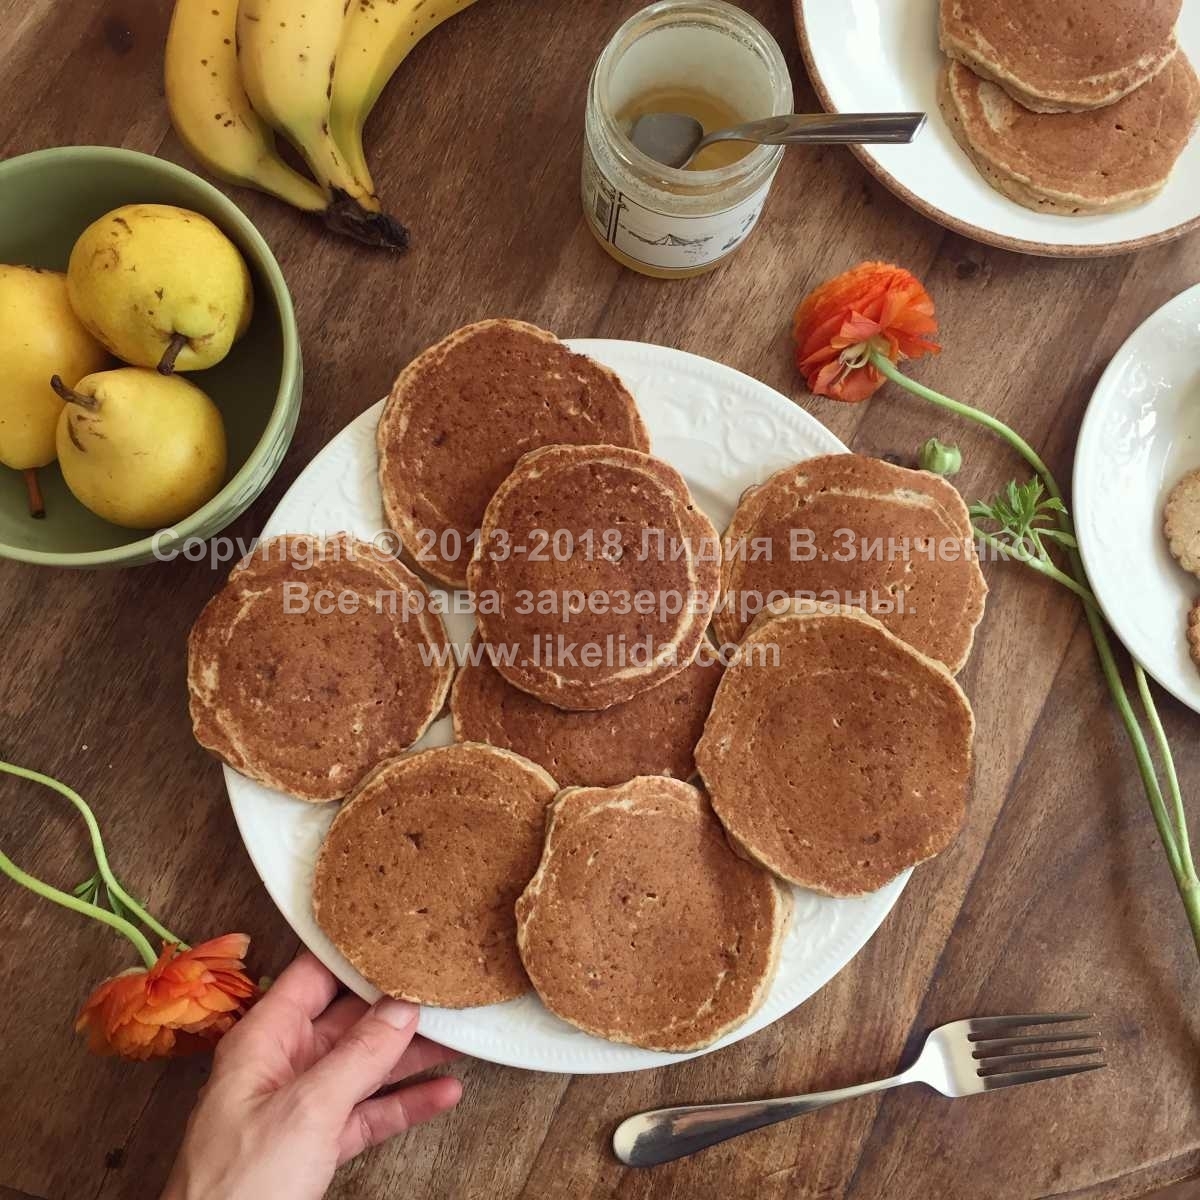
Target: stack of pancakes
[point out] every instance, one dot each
(620, 831)
(1068, 106)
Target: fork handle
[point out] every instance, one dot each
(666, 1134)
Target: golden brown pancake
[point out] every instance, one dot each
(465, 410)
(836, 755)
(642, 925)
(306, 701)
(1181, 522)
(596, 611)
(1061, 55)
(1075, 163)
(852, 530)
(655, 733)
(416, 880)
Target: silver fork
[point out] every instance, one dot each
(959, 1059)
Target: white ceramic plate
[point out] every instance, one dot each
(724, 431)
(1141, 434)
(882, 55)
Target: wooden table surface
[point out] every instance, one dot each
(1056, 895)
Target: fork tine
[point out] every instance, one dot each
(985, 1044)
(992, 1082)
(987, 1024)
(988, 1066)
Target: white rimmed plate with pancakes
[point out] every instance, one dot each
(883, 55)
(724, 432)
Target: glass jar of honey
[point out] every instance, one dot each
(716, 63)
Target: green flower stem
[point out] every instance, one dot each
(885, 366)
(1175, 840)
(1164, 749)
(110, 880)
(1175, 837)
(1112, 675)
(44, 890)
(1041, 566)
(1191, 903)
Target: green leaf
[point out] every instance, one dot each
(1061, 537)
(1024, 516)
(88, 889)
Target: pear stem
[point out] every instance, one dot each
(166, 365)
(37, 506)
(70, 395)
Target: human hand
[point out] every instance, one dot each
(291, 1095)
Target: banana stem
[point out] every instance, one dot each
(346, 216)
(37, 506)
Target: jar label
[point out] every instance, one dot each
(665, 240)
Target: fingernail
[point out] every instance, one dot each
(399, 1014)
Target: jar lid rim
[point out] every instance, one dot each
(759, 159)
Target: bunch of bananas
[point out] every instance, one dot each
(312, 70)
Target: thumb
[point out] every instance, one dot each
(365, 1055)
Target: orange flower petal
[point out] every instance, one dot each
(231, 946)
(200, 992)
(875, 303)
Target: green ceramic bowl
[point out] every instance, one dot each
(47, 199)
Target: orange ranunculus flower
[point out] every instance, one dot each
(876, 306)
(182, 1004)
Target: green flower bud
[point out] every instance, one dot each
(939, 458)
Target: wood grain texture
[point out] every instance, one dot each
(12, 1194)
(1055, 896)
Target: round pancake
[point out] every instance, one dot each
(569, 567)
(655, 733)
(642, 925)
(1075, 163)
(1061, 55)
(307, 701)
(416, 880)
(836, 755)
(463, 412)
(1181, 522)
(853, 530)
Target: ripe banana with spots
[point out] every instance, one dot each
(287, 51)
(377, 38)
(211, 112)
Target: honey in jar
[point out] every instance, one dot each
(718, 64)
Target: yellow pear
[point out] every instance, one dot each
(40, 336)
(161, 287)
(140, 449)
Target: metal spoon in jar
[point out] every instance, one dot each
(674, 139)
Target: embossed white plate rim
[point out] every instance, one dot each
(682, 397)
(1120, 487)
